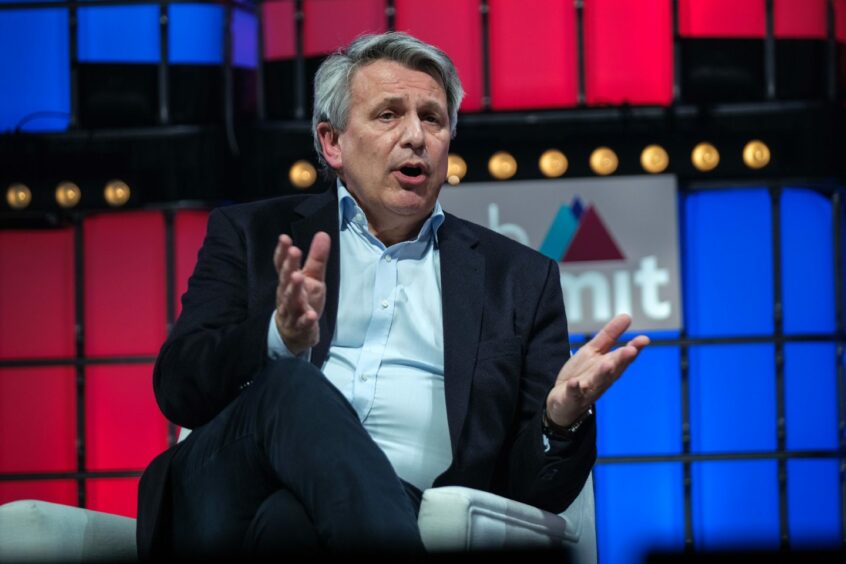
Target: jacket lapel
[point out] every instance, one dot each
(462, 291)
(321, 214)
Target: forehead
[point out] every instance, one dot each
(381, 79)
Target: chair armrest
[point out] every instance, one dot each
(49, 532)
(457, 519)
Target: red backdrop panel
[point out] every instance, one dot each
(113, 495)
(532, 54)
(124, 428)
(278, 30)
(125, 284)
(37, 314)
(56, 491)
(38, 419)
(628, 52)
(722, 18)
(329, 24)
(189, 229)
(840, 20)
(800, 19)
(455, 26)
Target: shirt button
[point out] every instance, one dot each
(385, 304)
(363, 377)
(387, 258)
(359, 217)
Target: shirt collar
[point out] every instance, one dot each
(350, 212)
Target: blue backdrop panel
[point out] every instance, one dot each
(813, 503)
(728, 253)
(244, 39)
(38, 98)
(641, 413)
(195, 34)
(732, 398)
(639, 508)
(735, 505)
(807, 262)
(119, 34)
(810, 390)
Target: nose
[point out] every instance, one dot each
(413, 135)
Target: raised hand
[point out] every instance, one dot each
(301, 291)
(591, 371)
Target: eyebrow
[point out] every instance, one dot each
(430, 105)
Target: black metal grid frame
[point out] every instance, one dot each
(778, 338)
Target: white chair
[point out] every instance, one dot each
(452, 519)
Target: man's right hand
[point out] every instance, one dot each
(301, 291)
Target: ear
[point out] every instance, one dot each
(330, 144)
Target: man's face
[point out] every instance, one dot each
(392, 156)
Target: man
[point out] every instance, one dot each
(403, 348)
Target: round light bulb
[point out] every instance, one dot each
(18, 196)
(502, 165)
(456, 169)
(654, 159)
(302, 174)
(604, 161)
(68, 194)
(553, 163)
(756, 154)
(705, 157)
(116, 193)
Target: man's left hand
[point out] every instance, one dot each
(591, 371)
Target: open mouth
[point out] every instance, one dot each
(412, 171)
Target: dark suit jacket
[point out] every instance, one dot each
(505, 339)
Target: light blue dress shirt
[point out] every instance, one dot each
(386, 356)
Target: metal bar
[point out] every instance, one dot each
(680, 342)
(837, 235)
(164, 65)
(97, 3)
(778, 332)
(684, 374)
(261, 103)
(79, 308)
(677, 54)
(831, 56)
(79, 362)
(390, 15)
(580, 50)
(638, 459)
(228, 88)
(170, 295)
(80, 476)
(484, 10)
(769, 52)
(73, 54)
(300, 80)
(710, 457)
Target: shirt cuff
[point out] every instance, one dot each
(276, 348)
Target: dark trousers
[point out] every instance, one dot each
(288, 467)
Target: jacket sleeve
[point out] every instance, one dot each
(549, 479)
(217, 345)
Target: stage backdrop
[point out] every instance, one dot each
(717, 425)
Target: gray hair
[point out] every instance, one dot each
(333, 79)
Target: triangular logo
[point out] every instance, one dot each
(592, 240)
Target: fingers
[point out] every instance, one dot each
(293, 302)
(316, 262)
(318, 256)
(281, 251)
(608, 335)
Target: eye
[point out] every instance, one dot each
(387, 115)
